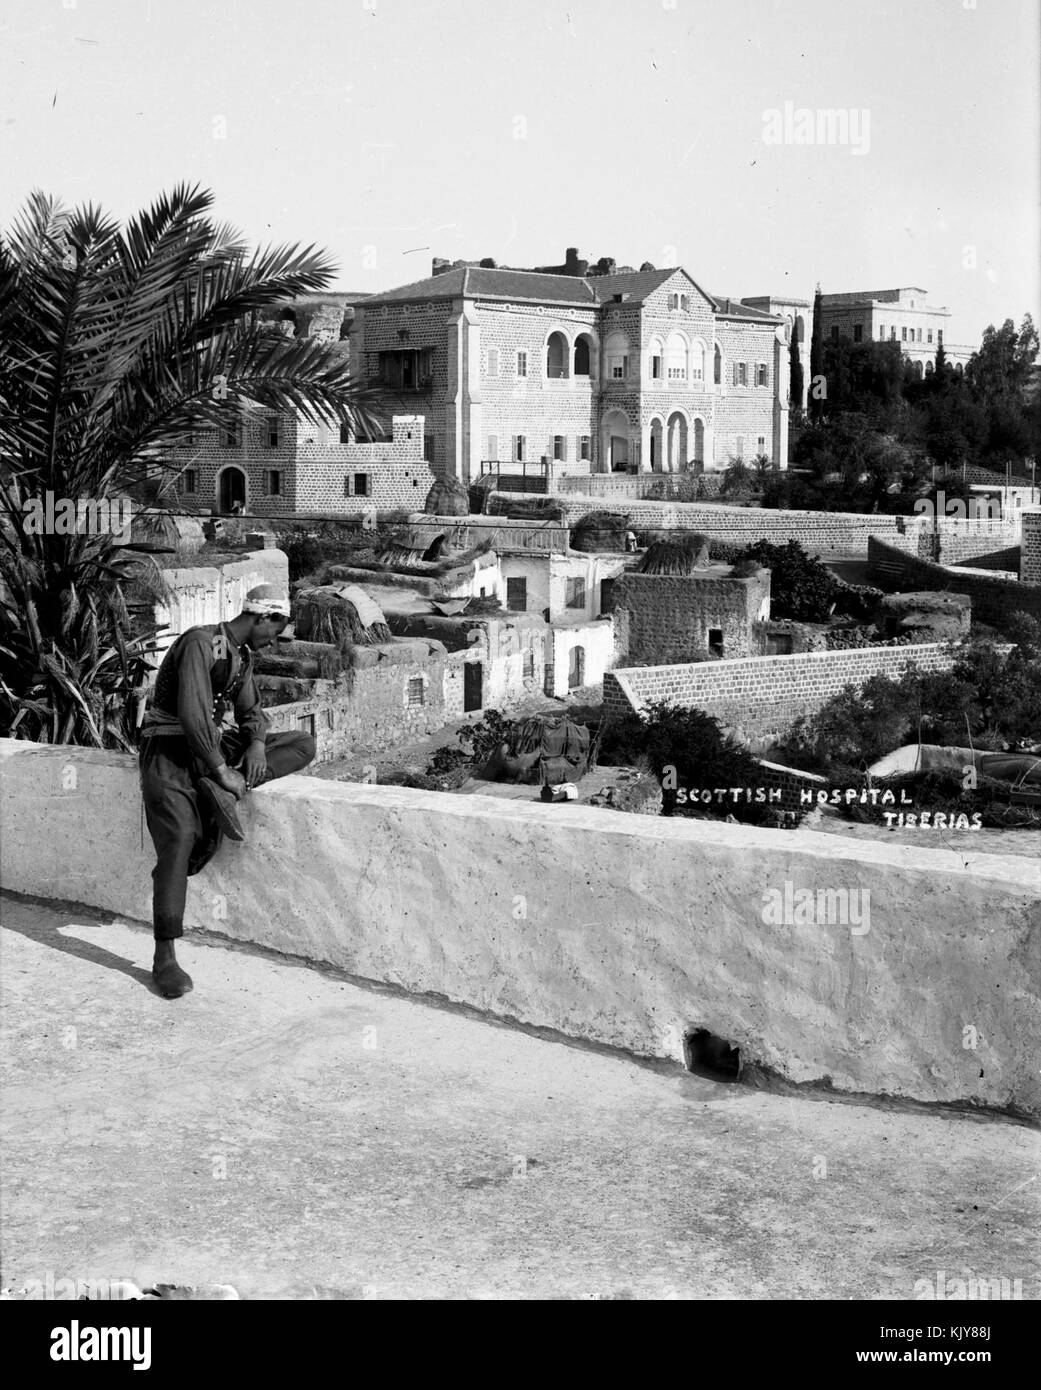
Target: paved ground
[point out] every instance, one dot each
(292, 1134)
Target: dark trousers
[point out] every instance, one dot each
(181, 823)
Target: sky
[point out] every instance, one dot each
(390, 131)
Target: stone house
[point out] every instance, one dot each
(640, 371)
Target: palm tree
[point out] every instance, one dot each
(114, 343)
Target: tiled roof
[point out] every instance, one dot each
(478, 282)
(637, 285)
(734, 309)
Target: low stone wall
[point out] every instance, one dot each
(821, 533)
(623, 930)
(759, 698)
(993, 599)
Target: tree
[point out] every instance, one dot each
(795, 371)
(816, 358)
(113, 344)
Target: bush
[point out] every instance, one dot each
(306, 556)
(684, 748)
(801, 586)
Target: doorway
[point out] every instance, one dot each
(473, 681)
(576, 671)
(232, 490)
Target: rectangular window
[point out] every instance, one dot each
(416, 694)
(231, 437)
(835, 333)
(493, 361)
(559, 447)
(585, 447)
(930, 335)
(619, 368)
(892, 335)
(903, 335)
(493, 448)
(677, 373)
(518, 448)
(272, 434)
(191, 480)
(345, 434)
(760, 375)
(736, 374)
(858, 332)
(361, 484)
(882, 332)
(274, 482)
(656, 368)
(575, 593)
(761, 444)
(517, 595)
(522, 364)
(715, 641)
(939, 335)
(742, 374)
(919, 335)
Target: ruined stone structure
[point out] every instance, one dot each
(994, 599)
(641, 371)
(667, 618)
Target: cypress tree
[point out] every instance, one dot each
(816, 358)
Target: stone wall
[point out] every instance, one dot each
(378, 707)
(617, 929)
(673, 617)
(759, 698)
(993, 599)
(1030, 559)
(823, 533)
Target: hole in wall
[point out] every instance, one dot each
(713, 1058)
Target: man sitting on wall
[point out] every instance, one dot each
(194, 769)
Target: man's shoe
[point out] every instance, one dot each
(223, 804)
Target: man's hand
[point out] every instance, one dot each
(254, 765)
(230, 780)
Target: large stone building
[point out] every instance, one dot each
(607, 372)
(896, 316)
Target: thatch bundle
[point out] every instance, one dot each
(600, 531)
(448, 497)
(676, 555)
(343, 615)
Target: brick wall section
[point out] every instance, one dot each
(993, 599)
(671, 616)
(759, 698)
(1030, 559)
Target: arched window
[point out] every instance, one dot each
(616, 357)
(556, 356)
(583, 355)
(655, 360)
(684, 302)
(676, 358)
(697, 362)
(717, 366)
